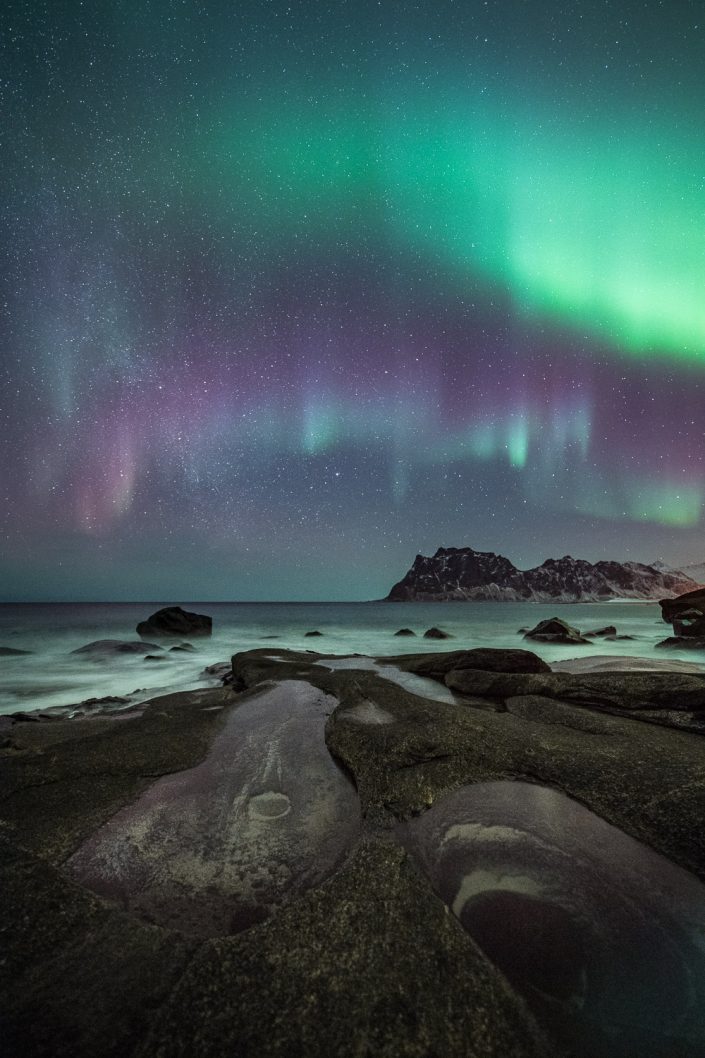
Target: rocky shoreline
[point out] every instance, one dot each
(124, 834)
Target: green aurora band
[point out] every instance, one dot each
(597, 225)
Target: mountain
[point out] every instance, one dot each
(693, 571)
(460, 573)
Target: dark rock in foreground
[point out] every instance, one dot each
(173, 621)
(212, 871)
(336, 970)
(555, 630)
(554, 907)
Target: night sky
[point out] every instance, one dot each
(294, 291)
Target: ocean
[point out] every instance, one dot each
(52, 676)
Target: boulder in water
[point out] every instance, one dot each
(555, 630)
(405, 632)
(678, 607)
(682, 643)
(436, 633)
(173, 621)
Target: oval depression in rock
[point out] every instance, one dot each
(603, 936)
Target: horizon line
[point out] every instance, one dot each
(189, 602)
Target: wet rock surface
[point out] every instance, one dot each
(436, 666)
(266, 815)
(547, 889)
(131, 849)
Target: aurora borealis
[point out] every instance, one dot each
(292, 292)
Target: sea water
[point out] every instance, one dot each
(52, 675)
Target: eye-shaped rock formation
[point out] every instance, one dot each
(603, 936)
(265, 816)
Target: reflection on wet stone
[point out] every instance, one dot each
(215, 849)
(604, 937)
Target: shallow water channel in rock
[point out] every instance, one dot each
(604, 937)
(265, 816)
(419, 685)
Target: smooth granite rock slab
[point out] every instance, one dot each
(68, 777)
(266, 815)
(366, 961)
(370, 964)
(622, 690)
(646, 779)
(78, 979)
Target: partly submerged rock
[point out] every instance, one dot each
(9, 652)
(314, 633)
(608, 630)
(116, 646)
(173, 621)
(222, 670)
(405, 632)
(436, 633)
(108, 699)
(555, 630)
(681, 643)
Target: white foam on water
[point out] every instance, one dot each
(51, 675)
